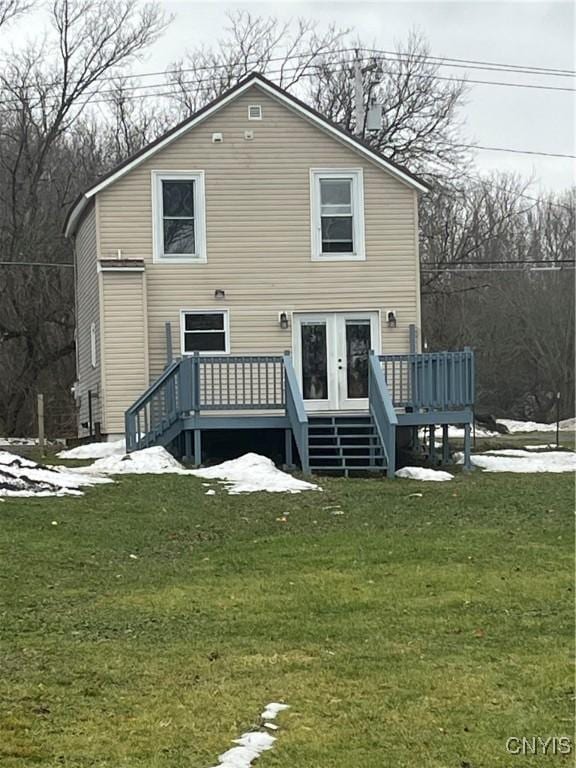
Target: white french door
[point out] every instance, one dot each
(331, 358)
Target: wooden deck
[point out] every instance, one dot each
(199, 393)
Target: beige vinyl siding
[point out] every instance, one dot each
(258, 232)
(125, 348)
(87, 312)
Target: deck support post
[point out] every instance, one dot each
(467, 462)
(445, 445)
(197, 447)
(288, 456)
(188, 454)
(432, 446)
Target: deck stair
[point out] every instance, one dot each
(344, 444)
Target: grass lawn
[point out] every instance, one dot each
(411, 630)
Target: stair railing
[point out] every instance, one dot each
(382, 411)
(296, 412)
(156, 410)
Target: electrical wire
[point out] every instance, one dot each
(497, 66)
(322, 62)
(517, 151)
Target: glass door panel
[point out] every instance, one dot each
(358, 340)
(314, 354)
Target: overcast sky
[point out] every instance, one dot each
(538, 34)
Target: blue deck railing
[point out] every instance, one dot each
(441, 381)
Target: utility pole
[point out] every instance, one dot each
(41, 432)
(358, 96)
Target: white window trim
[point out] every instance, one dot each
(93, 360)
(221, 311)
(158, 256)
(357, 177)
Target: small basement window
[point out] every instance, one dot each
(254, 112)
(205, 331)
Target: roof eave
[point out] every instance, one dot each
(75, 215)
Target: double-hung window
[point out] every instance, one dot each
(179, 227)
(337, 215)
(204, 331)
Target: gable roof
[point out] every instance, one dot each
(273, 90)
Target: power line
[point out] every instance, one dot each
(467, 270)
(435, 60)
(500, 65)
(36, 264)
(399, 56)
(542, 200)
(500, 262)
(517, 151)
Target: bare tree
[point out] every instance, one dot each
(518, 312)
(40, 174)
(285, 52)
(469, 221)
(11, 9)
(130, 124)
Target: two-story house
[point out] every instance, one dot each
(237, 272)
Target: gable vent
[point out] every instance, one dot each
(254, 112)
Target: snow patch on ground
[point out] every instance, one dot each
(250, 745)
(421, 473)
(272, 710)
(148, 461)
(94, 450)
(534, 426)
(251, 473)
(20, 477)
(16, 441)
(247, 474)
(454, 431)
(543, 447)
(523, 462)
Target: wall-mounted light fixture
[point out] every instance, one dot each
(391, 320)
(283, 320)
(219, 293)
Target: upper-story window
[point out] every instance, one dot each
(337, 215)
(178, 211)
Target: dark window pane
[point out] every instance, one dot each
(179, 236)
(314, 362)
(178, 198)
(340, 247)
(337, 234)
(204, 342)
(335, 191)
(205, 322)
(337, 228)
(357, 350)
